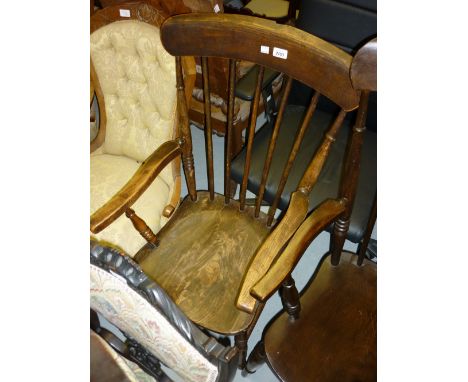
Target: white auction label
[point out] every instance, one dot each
(124, 12)
(280, 53)
(216, 8)
(265, 49)
(198, 69)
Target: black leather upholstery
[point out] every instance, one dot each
(346, 23)
(329, 180)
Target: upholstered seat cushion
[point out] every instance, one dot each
(108, 174)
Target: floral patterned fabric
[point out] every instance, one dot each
(135, 316)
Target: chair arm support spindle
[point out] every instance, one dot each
(135, 187)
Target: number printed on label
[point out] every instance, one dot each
(280, 53)
(265, 49)
(124, 12)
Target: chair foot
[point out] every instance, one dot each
(240, 341)
(256, 359)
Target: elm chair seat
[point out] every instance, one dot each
(329, 180)
(214, 250)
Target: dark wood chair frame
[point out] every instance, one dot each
(310, 60)
(363, 74)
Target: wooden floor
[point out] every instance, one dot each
(335, 338)
(203, 254)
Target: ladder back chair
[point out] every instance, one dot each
(215, 249)
(336, 328)
(133, 88)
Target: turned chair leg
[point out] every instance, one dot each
(256, 359)
(290, 298)
(240, 341)
(362, 248)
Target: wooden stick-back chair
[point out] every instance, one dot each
(215, 249)
(336, 329)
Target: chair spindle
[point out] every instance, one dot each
(292, 156)
(184, 133)
(314, 169)
(349, 182)
(208, 128)
(253, 122)
(228, 141)
(272, 145)
(142, 227)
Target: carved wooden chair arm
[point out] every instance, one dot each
(271, 248)
(317, 221)
(135, 187)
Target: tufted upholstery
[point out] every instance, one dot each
(137, 80)
(109, 173)
(134, 315)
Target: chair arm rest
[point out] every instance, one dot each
(317, 221)
(271, 248)
(135, 187)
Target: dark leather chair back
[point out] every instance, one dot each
(348, 24)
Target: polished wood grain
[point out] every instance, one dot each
(272, 144)
(203, 254)
(349, 181)
(364, 67)
(313, 171)
(292, 155)
(251, 132)
(215, 251)
(241, 37)
(315, 223)
(135, 187)
(208, 127)
(184, 132)
(141, 227)
(337, 330)
(229, 133)
(271, 248)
